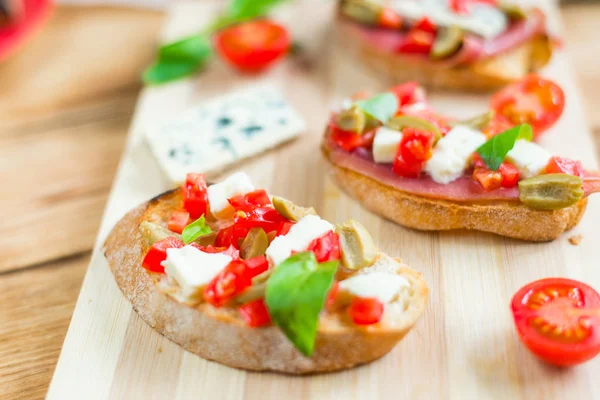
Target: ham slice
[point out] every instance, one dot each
(474, 47)
(461, 190)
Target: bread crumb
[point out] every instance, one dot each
(575, 240)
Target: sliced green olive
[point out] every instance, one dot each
(362, 11)
(262, 278)
(291, 211)
(255, 244)
(512, 10)
(154, 232)
(352, 119)
(356, 245)
(551, 191)
(479, 122)
(447, 42)
(408, 121)
(541, 52)
(254, 292)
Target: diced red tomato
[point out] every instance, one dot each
(405, 169)
(425, 25)
(506, 176)
(230, 251)
(285, 228)
(260, 217)
(459, 6)
(416, 145)
(195, 196)
(326, 247)
(333, 291)
(231, 236)
(389, 18)
(253, 45)
(158, 253)
(489, 180)
(179, 220)
(350, 141)
(510, 175)
(408, 94)
(257, 198)
(562, 165)
(558, 319)
(255, 313)
(417, 42)
(533, 100)
(233, 280)
(365, 311)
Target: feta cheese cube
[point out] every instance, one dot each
(529, 158)
(193, 269)
(236, 184)
(298, 238)
(385, 144)
(452, 153)
(381, 285)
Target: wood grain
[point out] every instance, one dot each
(464, 347)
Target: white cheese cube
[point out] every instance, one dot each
(385, 145)
(193, 269)
(236, 184)
(452, 153)
(298, 238)
(529, 158)
(381, 285)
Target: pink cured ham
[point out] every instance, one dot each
(474, 48)
(462, 190)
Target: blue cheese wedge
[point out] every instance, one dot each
(214, 135)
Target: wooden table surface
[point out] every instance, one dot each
(67, 100)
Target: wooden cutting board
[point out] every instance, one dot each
(463, 347)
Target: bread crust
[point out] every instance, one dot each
(481, 76)
(507, 218)
(219, 334)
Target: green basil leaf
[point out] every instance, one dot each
(192, 48)
(163, 72)
(295, 295)
(382, 106)
(494, 151)
(195, 230)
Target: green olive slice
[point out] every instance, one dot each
(479, 122)
(408, 121)
(289, 210)
(447, 42)
(254, 292)
(513, 11)
(551, 191)
(352, 119)
(255, 244)
(154, 232)
(356, 245)
(362, 11)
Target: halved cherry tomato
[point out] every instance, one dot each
(365, 311)
(195, 196)
(408, 94)
(389, 18)
(534, 100)
(425, 25)
(558, 319)
(498, 125)
(158, 253)
(563, 165)
(254, 45)
(350, 141)
(255, 313)
(416, 145)
(253, 199)
(178, 221)
(417, 42)
(326, 247)
(233, 280)
(230, 251)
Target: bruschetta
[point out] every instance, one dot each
(253, 281)
(405, 162)
(450, 44)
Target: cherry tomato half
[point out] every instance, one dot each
(534, 100)
(254, 45)
(563, 165)
(558, 319)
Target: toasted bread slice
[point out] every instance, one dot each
(506, 218)
(483, 75)
(220, 334)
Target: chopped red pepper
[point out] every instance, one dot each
(158, 253)
(389, 18)
(563, 165)
(365, 311)
(257, 198)
(233, 280)
(179, 220)
(416, 145)
(255, 313)
(195, 196)
(350, 141)
(326, 247)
